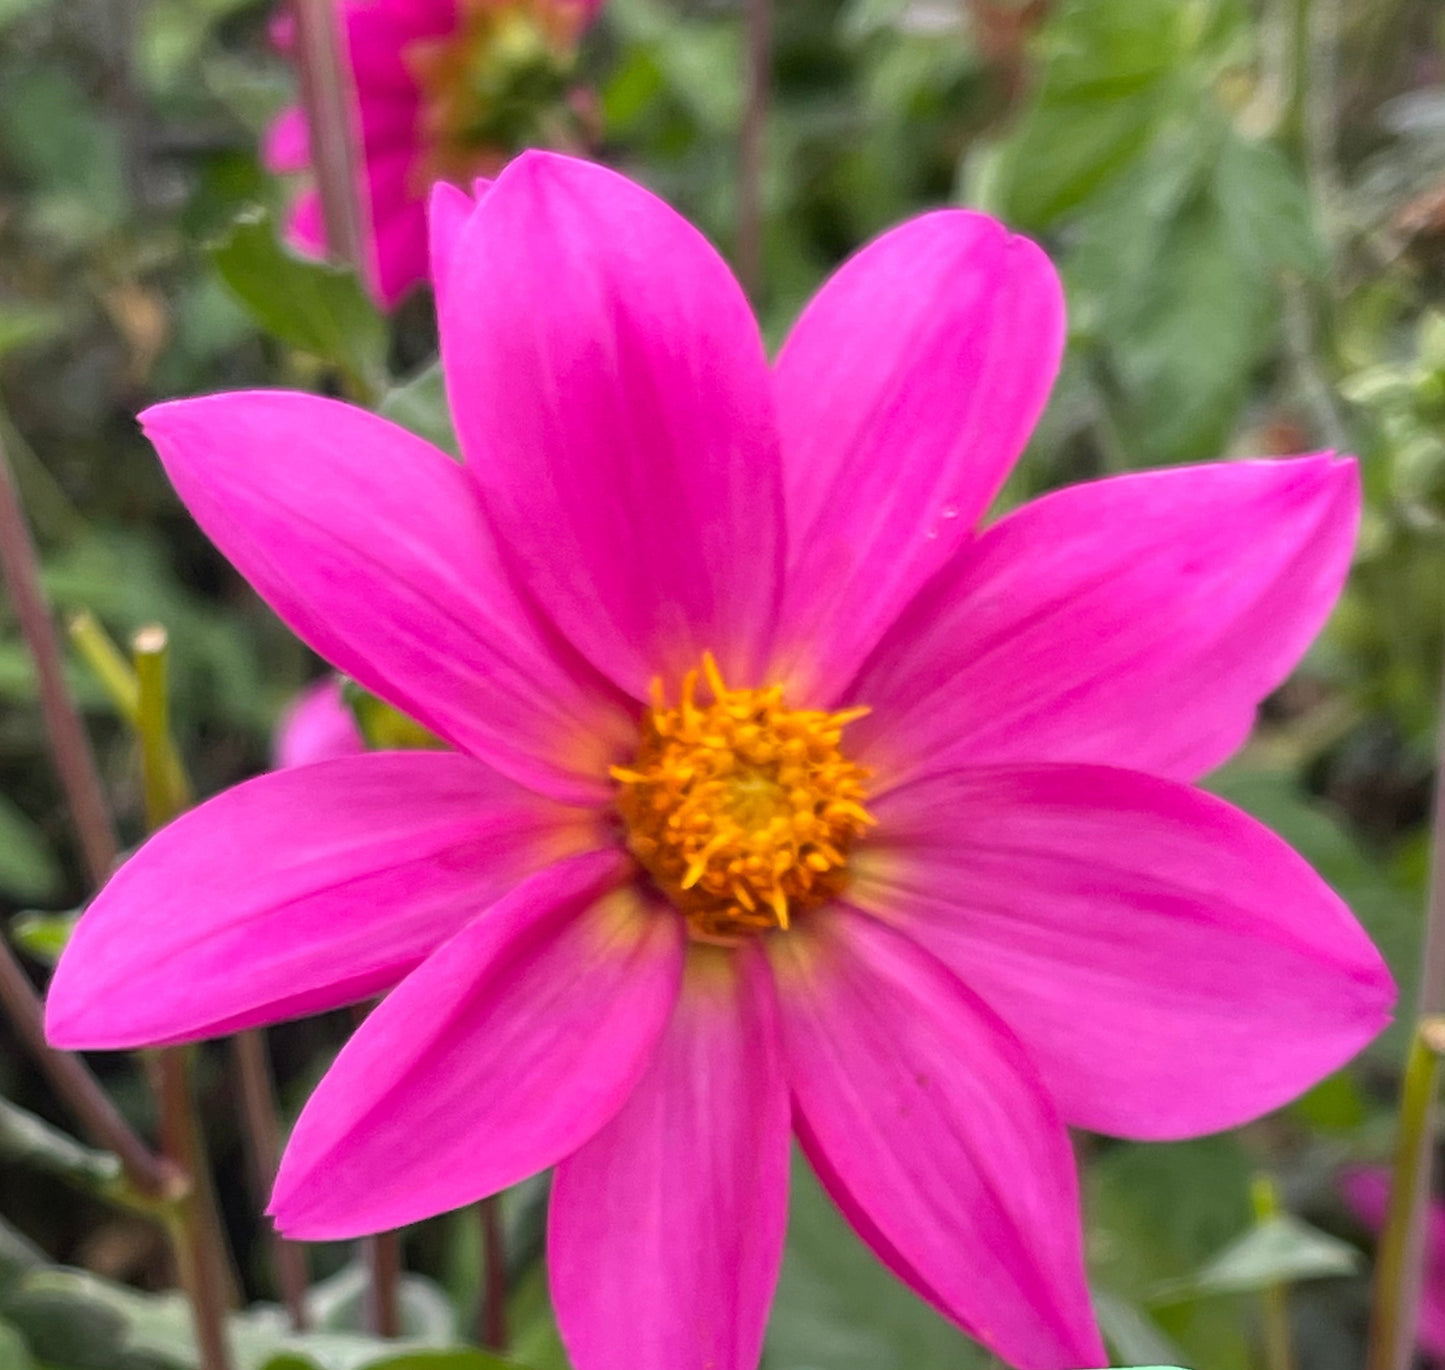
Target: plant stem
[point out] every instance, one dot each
(80, 1090)
(492, 1324)
(383, 1260)
(751, 146)
(201, 1268)
(196, 1230)
(1278, 1350)
(262, 1132)
(1401, 1249)
(68, 743)
(327, 99)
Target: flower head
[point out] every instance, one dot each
(316, 726)
(784, 798)
(445, 90)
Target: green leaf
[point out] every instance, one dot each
(14, 1354)
(837, 1308)
(43, 935)
(1109, 72)
(28, 867)
(1266, 208)
(338, 1304)
(1280, 1250)
(420, 404)
(313, 306)
(23, 324)
(465, 1358)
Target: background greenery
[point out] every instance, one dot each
(1247, 201)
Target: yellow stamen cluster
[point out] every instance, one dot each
(742, 810)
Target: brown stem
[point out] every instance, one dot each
(326, 97)
(102, 1121)
(68, 743)
(492, 1324)
(759, 21)
(262, 1133)
(201, 1267)
(383, 1260)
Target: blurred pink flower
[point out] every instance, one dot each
(317, 726)
(1367, 1192)
(675, 894)
(444, 90)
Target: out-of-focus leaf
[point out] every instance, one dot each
(1108, 72)
(23, 324)
(1159, 1212)
(11, 10)
(14, 1354)
(420, 404)
(43, 935)
(72, 156)
(463, 1358)
(1266, 209)
(1280, 1250)
(338, 1304)
(1129, 1331)
(837, 1308)
(30, 1141)
(319, 308)
(28, 868)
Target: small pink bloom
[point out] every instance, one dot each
(317, 725)
(674, 895)
(445, 90)
(1367, 1192)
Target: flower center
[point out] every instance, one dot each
(742, 810)
(496, 84)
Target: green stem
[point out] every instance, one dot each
(1278, 1351)
(196, 1231)
(1397, 1266)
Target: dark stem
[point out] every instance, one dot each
(326, 97)
(80, 1090)
(201, 1266)
(759, 23)
(68, 743)
(383, 1260)
(262, 1133)
(492, 1324)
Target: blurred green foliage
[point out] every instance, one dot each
(1247, 202)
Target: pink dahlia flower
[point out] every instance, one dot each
(1367, 1192)
(317, 726)
(445, 90)
(784, 798)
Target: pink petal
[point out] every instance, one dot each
(1136, 621)
(501, 1055)
(297, 892)
(448, 211)
(317, 726)
(666, 1229)
(612, 399)
(287, 145)
(305, 231)
(1172, 967)
(905, 393)
(931, 1132)
(371, 546)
